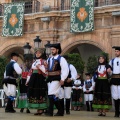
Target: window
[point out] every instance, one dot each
(28, 5)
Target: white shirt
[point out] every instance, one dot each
(73, 72)
(41, 67)
(16, 68)
(116, 65)
(63, 65)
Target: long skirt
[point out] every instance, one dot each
(77, 98)
(22, 94)
(102, 95)
(37, 89)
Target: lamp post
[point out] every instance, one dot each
(27, 54)
(47, 47)
(37, 42)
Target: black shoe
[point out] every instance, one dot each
(48, 114)
(57, 114)
(10, 111)
(103, 114)
(99, 114)
(27, 111)
(21, 110)
(7, 110)
(116, 115)
(68, 112)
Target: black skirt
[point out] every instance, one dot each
(37, 89)
(102, 94)
(22, 86)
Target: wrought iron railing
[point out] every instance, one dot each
(61, 5)
(33, 6)
(105, 2)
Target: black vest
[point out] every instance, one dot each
(10, 69)
(70, 84)
(55, 67)
(10, 72)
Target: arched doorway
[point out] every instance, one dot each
(16, 49)
(85, 50)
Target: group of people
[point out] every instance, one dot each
(47, 84)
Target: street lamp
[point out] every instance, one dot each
(37, 42)
(47, 47)
(27, 54)
(27, 48)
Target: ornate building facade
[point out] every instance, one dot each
(54, 26)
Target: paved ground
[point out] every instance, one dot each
(75, 115)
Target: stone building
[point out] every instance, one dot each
(54, 25)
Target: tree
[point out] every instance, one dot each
(76, 60)
(91, 64)
(3, 62)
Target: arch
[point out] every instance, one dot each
(66, 47)
(6, 49)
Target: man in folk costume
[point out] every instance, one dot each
(65, 91)
(57, 73)
(9, 83)
(115, 80)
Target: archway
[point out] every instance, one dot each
(16, 49)
(85, 50)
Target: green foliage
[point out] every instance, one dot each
(76, 60)
(3, 62)
(93, 62)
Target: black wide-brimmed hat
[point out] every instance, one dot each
(14, 54)
(87, 74)
(57, 46)
(116, 47)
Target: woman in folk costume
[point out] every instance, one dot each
(22, 94)
(102, 94)
(77, 100)
(36, 83)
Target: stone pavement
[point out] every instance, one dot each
(75, 115)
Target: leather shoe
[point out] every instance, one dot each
(48, 114)
(27, 111)
(68, 112)
(116, 115)
(99, 114)
(21, 110)
(10, 111)
(57, 114)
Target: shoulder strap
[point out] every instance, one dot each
(112, 62)
(13, 63)
(49, 59)
(59, 58)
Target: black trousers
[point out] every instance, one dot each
(56, 102)
(9, 105)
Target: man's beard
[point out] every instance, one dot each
(117, 55)
(54, 54)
